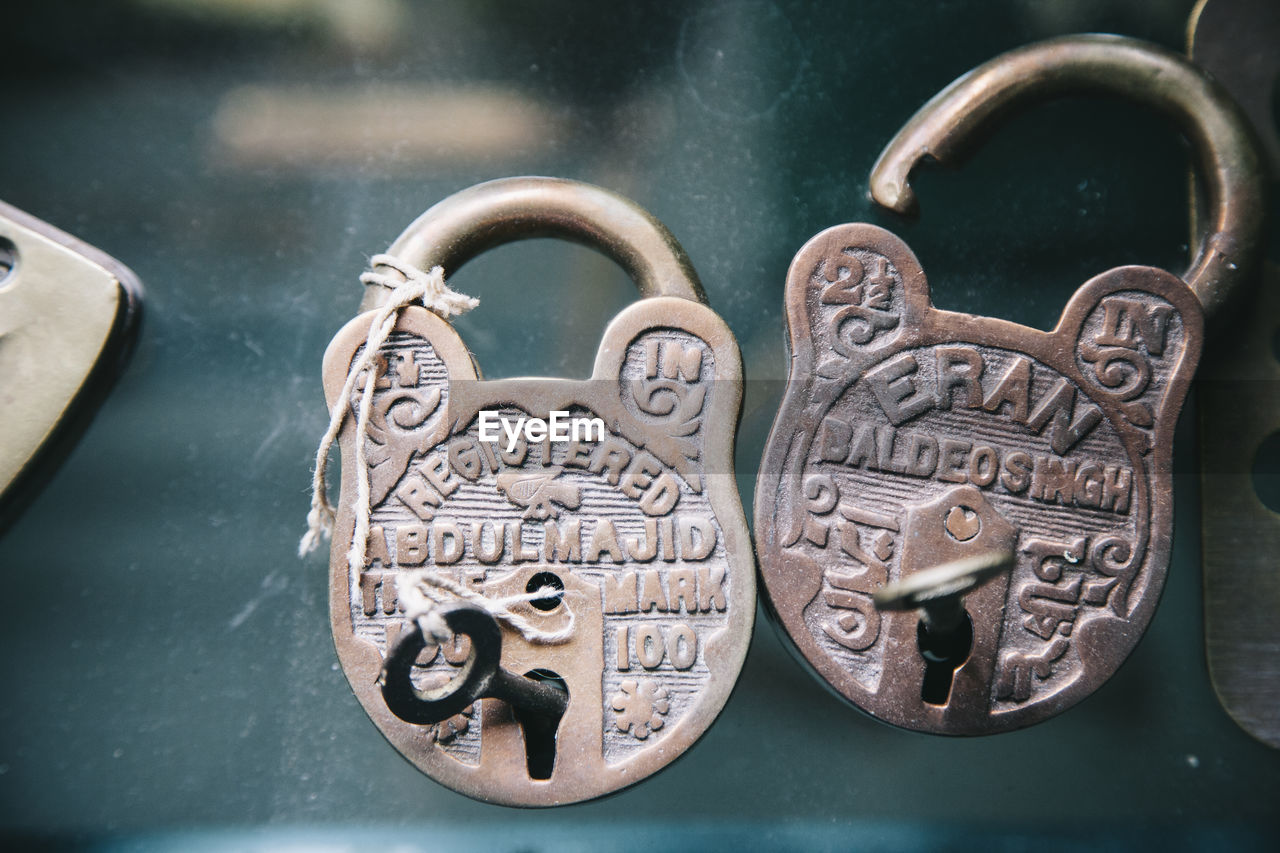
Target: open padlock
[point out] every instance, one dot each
(915, 440)
(633, 525)
(67, 316)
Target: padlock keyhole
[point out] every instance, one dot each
(545, 580)
(540, 730)
(944, 652)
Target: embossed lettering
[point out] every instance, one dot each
(1129, 323)
(1013, 389)
(373, 583)
(684, 590)
(673, 360)
(620, 592)
(959, 369)
(652, 595)
(377, 547)
(497, 531)
(447, 545)
(661, 497)
(1056, 411)
(604, 542)
(1016, 472)
(953, 456)
(833, 439)
(411, 544)
(922, 455)
(711, 588)
(697, 537)
(894, 387)
(563, 547)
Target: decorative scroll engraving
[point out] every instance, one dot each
(1130, 341)
(919, 436)
(861, 285)
(541, 496)
(627, 524)
(408, 395)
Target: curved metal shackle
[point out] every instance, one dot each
(486, 215)
(1226, 151)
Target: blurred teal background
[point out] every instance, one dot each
(169, 677)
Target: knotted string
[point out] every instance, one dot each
(412, 286)
(422, 591)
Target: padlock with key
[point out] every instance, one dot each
(599, 556)
(964, 524)
(67, 316)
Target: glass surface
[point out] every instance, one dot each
(168, 667)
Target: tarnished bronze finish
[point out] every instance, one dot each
(911, 437)
(1238, 395)
(642, 528)
(487, 215)
(1227, 155)
(54, 287)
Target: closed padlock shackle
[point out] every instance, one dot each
(468, 222)
(642, 475)
(1225, 148)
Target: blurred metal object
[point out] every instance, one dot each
(1238, 41)
(67, 311)
(1226, 157)
(1238, 394)
(384, 127)
(367, 24)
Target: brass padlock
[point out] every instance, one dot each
(590, 574)
(964, 524)
(67, 316)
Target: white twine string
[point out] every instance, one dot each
(412, 285)
(422, 591)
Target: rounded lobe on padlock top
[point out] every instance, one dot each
(640, 524)
(942, 437)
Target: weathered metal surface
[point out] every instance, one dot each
(643, 529)
(911, 436)
(53, 288)
(943, 436)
